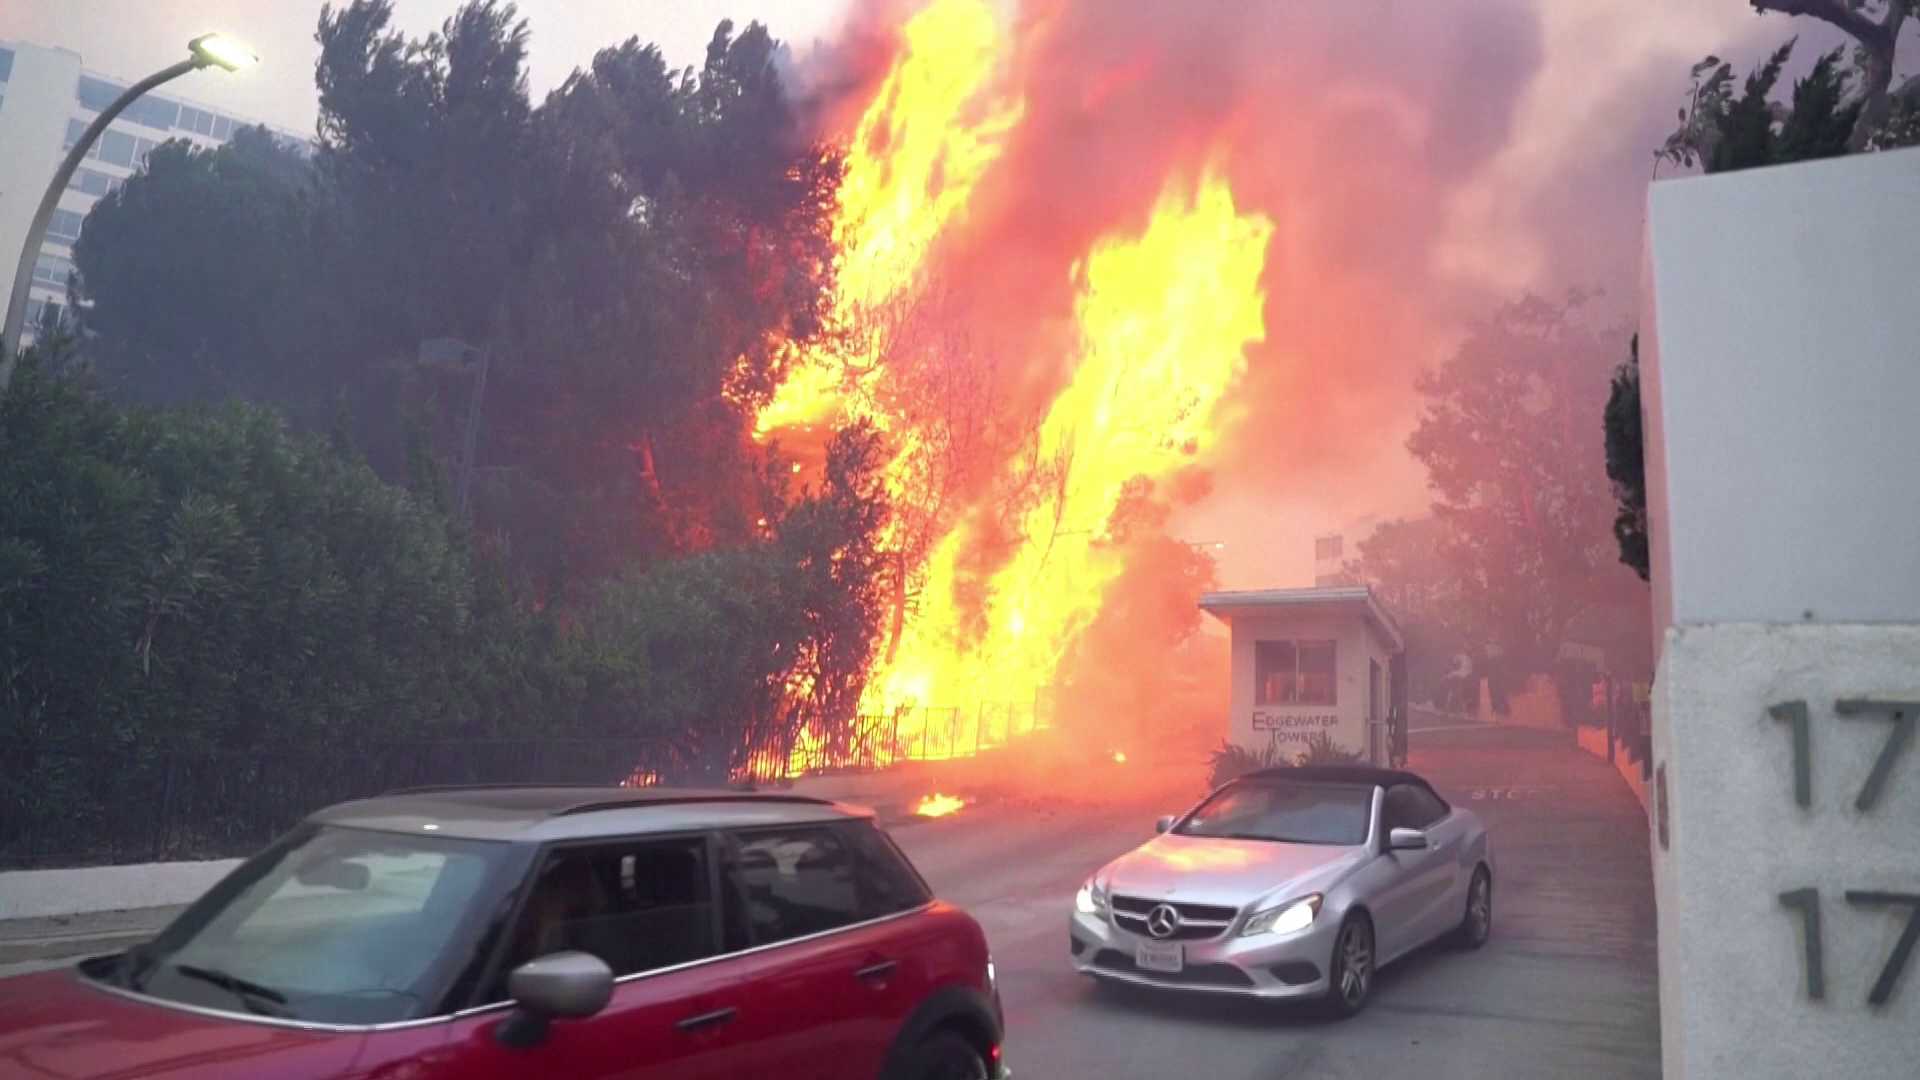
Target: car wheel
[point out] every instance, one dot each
(947, 1056)
(1476, 926)
(1350, 976)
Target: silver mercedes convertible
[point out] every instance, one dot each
(1293, 882)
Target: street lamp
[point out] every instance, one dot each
(446, 353)
(207, 50)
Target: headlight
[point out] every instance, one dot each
(1089, 900)
(1289, 918)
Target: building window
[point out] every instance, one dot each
(6, 64)
(41, 313)
(64, 226)
(96, 94)
(141, 148)
(52, 271)
(75, 129)
(1327, 547)
(198, 121)
(222, 128)
(93, 182)
(1294, 673)
(153, 112)
(116, 148)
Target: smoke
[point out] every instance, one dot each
(1422, 162)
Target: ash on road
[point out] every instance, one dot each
(1566, 989)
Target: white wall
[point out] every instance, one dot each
(1780, 351)
(1356, 645)
(33, 124)
(1782, 377)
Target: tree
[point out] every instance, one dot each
(1875, 26)
(627, 249)
(1513, 463)
(749, 648)
(1626, 463)
(1415, 567)
(195, 274)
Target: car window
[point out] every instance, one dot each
(1428, 808)
(640, 905)
(888, 883)
(342, 926)
(1284, 811)
(1407, 806)
(797, 881)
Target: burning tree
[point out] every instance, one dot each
(753, 650)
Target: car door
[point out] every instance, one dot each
(1419, 879)
(837, 974)
(647, 907)
(1447, 831)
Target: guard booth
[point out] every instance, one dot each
(1315, 669)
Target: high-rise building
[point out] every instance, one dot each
(1333, 550)
(47, 99)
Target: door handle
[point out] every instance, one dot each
(875, 970)
(707, 1019)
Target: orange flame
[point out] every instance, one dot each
(1163, 313)
(940, 805)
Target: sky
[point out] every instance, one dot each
(129, 38)
(1546, 113)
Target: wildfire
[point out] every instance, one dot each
(1162, 315)
(940, 805)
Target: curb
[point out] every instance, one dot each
(74, 947)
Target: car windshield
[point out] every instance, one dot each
(1285, 812)
(330, 925)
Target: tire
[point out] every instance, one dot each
(1350, 975)
(1476, 925)
(947, 1056)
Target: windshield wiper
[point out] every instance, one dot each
(134, 965)
(259, 1000)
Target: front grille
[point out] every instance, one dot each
(1199, 913)
(1192, 975)
(1198, 922)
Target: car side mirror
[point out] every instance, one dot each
(1165, 823)
(1407, 840)
(559, 986)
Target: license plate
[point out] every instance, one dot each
(1159, 956)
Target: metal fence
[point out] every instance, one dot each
(64, 807)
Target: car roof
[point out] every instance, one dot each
(1365, 775)
(541, 814)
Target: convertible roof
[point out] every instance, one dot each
(1341, 774)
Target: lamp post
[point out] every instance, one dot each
(448, 352)
(207, 50)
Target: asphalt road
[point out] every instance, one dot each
(1565, 989)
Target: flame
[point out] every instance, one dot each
(940, 805)
(913, 162)
(1165, 319)
(1163, 313)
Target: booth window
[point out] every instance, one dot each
(1294, 673)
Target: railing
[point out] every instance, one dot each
(81, 807)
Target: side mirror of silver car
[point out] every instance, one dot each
(560, 986)
(1407, 840)
(1165, 823)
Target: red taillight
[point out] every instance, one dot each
(993, 1055)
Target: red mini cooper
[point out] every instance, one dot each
(507, 933)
